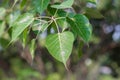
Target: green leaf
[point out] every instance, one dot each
(80, 25)
(60, 12)
(63, 22)
(21, 24)
(25, 37)
(65, 4)
(23, 3)
(2, 13)
(32, 48)
(2, 28)
(92, 1)
(40, 5)
(60, 45)
(12, 17)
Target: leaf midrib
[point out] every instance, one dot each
(61, 50)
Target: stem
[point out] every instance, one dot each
(63, 29)
(42, 20)
(60, 18)
(46, 17)
(56, 25)
(55, 12)
(48, 26)
(15, 1)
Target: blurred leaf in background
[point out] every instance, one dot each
(99, 61)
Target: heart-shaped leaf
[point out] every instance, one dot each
(80, 25)
(20, 24)
(65, 4)
(60, 45)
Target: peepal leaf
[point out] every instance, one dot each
(21, 24)
(60, 45)
(40, 5)
(80, 25)
(65, 4)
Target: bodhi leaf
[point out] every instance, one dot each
(80, 25)
(21, 24)
(65, 4)
(60, 45)
(40, 5)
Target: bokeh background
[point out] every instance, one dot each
(98, 61)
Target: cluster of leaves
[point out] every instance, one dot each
(61, 17)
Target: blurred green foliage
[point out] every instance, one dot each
(99, 61)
